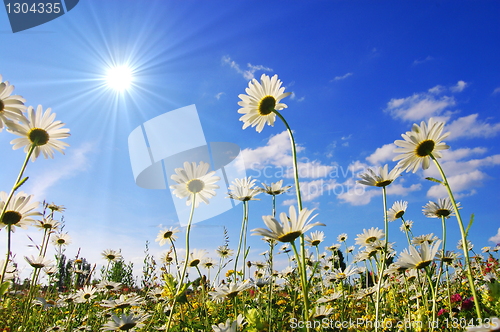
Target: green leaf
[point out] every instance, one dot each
(5, 287)
(434, 180)
(471, 221)
(20, 183)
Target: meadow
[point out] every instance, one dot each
(431, 285)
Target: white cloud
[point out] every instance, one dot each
(469, 126)
(357, 195)
(418, 106)
(382, 154)
(400, 190)
(248, 73)
(461, 85)
(497, 90)
(461, 184)
(343, 77)
(276, 154)
(418, 61)
(293, 96)
(75, 162)
(311, 190)
(437, 89)
(217, 96)
(495, 238)
(453, 155)
(464, 176)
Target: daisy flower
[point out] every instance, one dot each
(111, 255)
(19, 211)
(243, 189)
(10, 271)
(38, 262)
(290, 228)
(224, 251)
(124, 322)
(229, 326)
(368, 236)
(167, 234)
(315, 238)
(11, 106)
(194, 180)
(40, 130)
(230, 290)
(276, 188)
(260, 102)
(122, 302)
(61, 239)
(414, 259)
(419, 143)
(342, 237)
(109, 285)
(443, 208)
(85, 294)
(47, 224)
(406, 226)
(196, 257)
(397, 210)
(321, 312)
(381, 179)
(426, 238)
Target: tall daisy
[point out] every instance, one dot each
(260, 102)
(414, 259)
(243, 189)
(167, 234)
(124, 322)
(419, 143)
(41, 131)
(443, 208)
(397, 210)
(193, 180)
(276, 188)
(382, 178)
(19, 212)
(11, 106)
(290, 228)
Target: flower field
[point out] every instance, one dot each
(431, 285)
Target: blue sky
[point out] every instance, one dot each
(360, 72)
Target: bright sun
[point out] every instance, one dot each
(119, 78)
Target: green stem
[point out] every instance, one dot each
(299, 205)
(303, 281)
(294, 157)
(4, 209)
(186, 262)
(464, 238)
(240, 242)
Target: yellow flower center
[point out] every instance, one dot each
(371, 239)
(127, 326)
(267, 105)
(61, 241)
(38, 136)
(399, 214)
(425, 147)
(423, 264)
(11, 218)
(443, 213)
(289, 237)
(315, 242)
(195, 186)
(167, 234)
(110, 257)
(383, 183)
(194, 262)
(2, 105)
